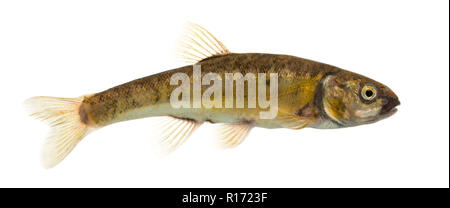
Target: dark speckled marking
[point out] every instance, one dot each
(307, 111)
(83, 116)
(209, 120)
(157, 96)
(245, 121)
(186, 119)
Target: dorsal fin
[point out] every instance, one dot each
(196, 44)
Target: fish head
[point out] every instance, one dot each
(350, 99)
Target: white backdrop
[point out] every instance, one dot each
(71, 48)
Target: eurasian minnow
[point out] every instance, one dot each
(308, 94)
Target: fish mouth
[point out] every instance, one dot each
(390, 107)
(389, 113)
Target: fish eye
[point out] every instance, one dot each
(368, 93)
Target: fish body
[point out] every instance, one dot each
(306, 94)
(150, 96)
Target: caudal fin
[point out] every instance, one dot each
(67, 129)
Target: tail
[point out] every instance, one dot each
(67, 128)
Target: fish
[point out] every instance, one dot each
(302, 93)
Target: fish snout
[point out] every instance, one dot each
(391, 101)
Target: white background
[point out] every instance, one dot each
(71, 48)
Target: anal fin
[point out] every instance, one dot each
(173, 132)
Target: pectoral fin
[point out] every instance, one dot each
(231, 135)
(292, 121)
